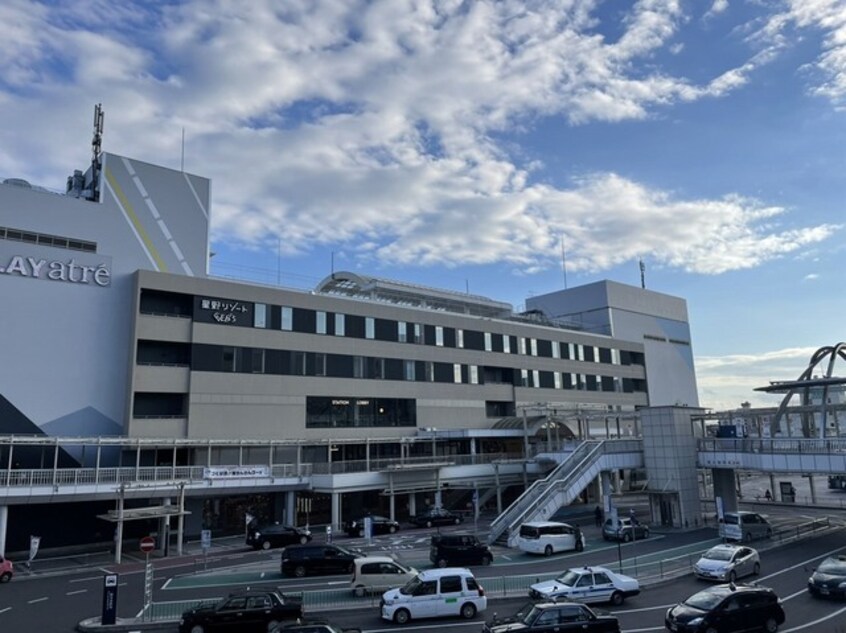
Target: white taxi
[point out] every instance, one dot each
(587, 584)
(435, 593)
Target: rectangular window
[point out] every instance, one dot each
(369, 328)
(534, 346)
(287, 319)
(580, 352)
(556, 350)
(474, 375)
(228, 359)
(523, 345)
(488, 342)
(557, 378)
(409, 372)
(418, 333)
(430, 371)
(506, 344)
(536, 378)
(524, 377)
(456, 373)
(257, 361)
(358, 367)
(321, 323)
(260, 315)
(340, 323)
(439, 336)
(402, 333)
(319, 364)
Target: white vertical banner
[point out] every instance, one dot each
(34, 542)
(719, 503)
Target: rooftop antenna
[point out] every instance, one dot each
(96, 149)
(642, 275)
(564, 262)
(332, 265)
(182, 161)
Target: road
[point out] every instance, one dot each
(57, 603)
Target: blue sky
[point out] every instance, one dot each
(457, 144)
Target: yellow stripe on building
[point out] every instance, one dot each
(139, 228)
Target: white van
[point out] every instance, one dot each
(548, 537)
(434, 593)
(744, 526)
(372, 574)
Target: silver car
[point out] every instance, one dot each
(727, 563)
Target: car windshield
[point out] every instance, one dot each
(569, 578)
(411, 586)
(529, 531)
(527, 616)
(402, 567)
(833, 566)
(705, 600)
(731, 519)
(343, 550)
(718, 554)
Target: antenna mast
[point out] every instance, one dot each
(96, 148)
(564, 262)
(642, 275)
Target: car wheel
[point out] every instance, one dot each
(265, 544)
(547, 551)
(392, 529)
(457, 520)
(303, 540)
(299, 571)
(748, 537)
(358, 592)
(580, 546)
(197, 628)
(605, 537)
(468, 611)
(271, 626)
(442, 562)
(617, 598)
(428, 524)
(402, 616)
(771, 626)
(626, 537)
(5, 577)
(732, 576)
(769, 533)
(486, 560)
(756, 569)
(645, 533)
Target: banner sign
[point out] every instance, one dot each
(235, 472)
(34, 542)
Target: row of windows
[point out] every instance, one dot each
(222, 358)
(337, 324)
(43, 239)
(350, 412)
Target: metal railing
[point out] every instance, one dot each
(398, 463)
(821, 446)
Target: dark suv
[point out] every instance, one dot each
(318, 560)
(276, 535)
(458, 550)
(242, 612)
(727, 609)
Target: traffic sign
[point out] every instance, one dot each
(147, 544)
(205, 539)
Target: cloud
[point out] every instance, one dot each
(726, 381)
(827, 17)
(373, 126)
(811, 277)
(718, 7)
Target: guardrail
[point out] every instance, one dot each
(773, 445)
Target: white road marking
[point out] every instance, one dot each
(34, 600)
(822, 619)
(73, 593)
(88, 579)
(6, 609)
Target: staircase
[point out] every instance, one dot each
(537, 497)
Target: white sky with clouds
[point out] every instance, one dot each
(458, 144)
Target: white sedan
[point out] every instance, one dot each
(587, 584)
(727, 563)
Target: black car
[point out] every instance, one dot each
(458, 550)
(549, 617)
(436, 516)
(243, 611)
(317, 560)
(381, 525)
(312, 626)
(727, 609)
(276, 535)
(829, 579)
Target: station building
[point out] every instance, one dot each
(122, 351)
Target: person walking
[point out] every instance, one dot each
(597, 514)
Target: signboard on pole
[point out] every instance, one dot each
(205, 540)
(368, 528)
(147, 544)
(110, 588)
(719, 503)
(34, 542)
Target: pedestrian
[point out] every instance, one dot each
(597, 513)
(767, 495)
(632, 516)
